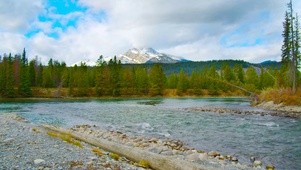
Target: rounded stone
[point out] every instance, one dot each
(234, 159)
(221, 157)
(213, 153)
(203, 156)
(270, 167)
(38, 161)
(257, 163)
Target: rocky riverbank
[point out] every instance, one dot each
(26, 146)
(271, 109)
(270, 105)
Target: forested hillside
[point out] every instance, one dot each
(20, 78)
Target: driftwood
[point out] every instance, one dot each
(155, 161)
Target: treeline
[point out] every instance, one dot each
(18, 77)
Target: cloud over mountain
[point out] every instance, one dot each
(199, 30)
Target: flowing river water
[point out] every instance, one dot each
(273, 140)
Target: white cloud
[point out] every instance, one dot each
(188, 28)
(12, 43)
(16, 15)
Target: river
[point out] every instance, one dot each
(273, 140)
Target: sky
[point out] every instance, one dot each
(198, 30)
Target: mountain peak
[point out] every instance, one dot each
(147, 55)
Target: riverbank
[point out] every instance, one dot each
(271, 109)
(25, 145)
(270, 105)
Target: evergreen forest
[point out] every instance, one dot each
(22, 78)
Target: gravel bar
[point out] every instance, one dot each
(25, 146)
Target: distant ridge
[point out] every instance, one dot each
(148, 55)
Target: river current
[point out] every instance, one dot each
(273, 140)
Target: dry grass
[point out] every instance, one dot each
(144, 163)
(65, 137)
(97, 151)
(114, 156)
(284, 96)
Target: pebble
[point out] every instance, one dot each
(257, 163)
(270, 167)
(61, 155)
(213, 153)
(38, 161)
(203, 156)
(234, 159)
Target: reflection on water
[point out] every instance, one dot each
(274, 140)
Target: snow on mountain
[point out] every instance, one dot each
(86, 62)
(140, 56)
(147, 55)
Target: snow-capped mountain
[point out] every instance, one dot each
(86, 62)
(147, 55)
(139, 56)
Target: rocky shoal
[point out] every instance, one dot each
(222, 110)
(26, 146)
(172, 148)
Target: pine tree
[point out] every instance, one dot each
(24, 89)
(32, 73)
(240, 73)
(182, 83)
(286, 47)
(291, 45)
(252, 80)
(213, 78)
(3, 66)
(157, 80)
(142, 82)
(9, 89)
(172, 81)
(127, 82)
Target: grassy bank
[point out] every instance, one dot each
(281, 96)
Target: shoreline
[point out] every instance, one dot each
(270, 105)
(271, 109)
(171, 149)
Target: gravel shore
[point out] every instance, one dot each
(272, 109)
(27, 146)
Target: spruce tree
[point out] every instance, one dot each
(24, 89)
(157, 80)
(291, 45)
(10, 91)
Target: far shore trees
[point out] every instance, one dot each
(291, 47)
